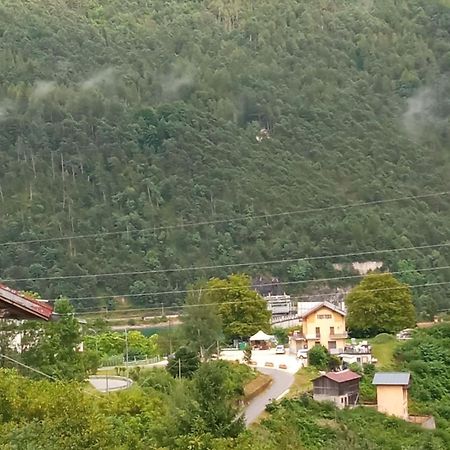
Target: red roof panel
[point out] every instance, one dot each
(342, 377)
(15, 299)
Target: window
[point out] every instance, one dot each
(324, 316)
(331, 330)
(331, 345)
(318, 332)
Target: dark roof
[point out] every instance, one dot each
(324, 305)
(21, 304)
(341, 377)
(392, 378)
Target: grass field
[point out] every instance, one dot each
(303, 381)
(383, 348)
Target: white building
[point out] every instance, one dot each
(279, 304)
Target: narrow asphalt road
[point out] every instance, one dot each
(281, 382)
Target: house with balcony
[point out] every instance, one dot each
(322, 325)
(357, 354)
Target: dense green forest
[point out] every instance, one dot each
(135, 118)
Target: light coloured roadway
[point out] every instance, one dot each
(106, 384)
(281, 382)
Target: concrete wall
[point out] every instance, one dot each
(393, 400)
(341, 401)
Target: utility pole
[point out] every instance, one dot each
(126, 354)
(200, 344)
(162, 309)
(170, 338)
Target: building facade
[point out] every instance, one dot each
(392, 393)
(279, 304)
(322, 325)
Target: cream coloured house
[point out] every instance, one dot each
(324, 325)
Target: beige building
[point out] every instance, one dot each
(322, 325)
(392, 393)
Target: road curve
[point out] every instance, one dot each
(109, 383)
(281, 382)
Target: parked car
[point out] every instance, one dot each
(280, 350)
(405, 334)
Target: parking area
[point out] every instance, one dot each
(262, 357)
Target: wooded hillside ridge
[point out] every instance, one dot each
(123, 116)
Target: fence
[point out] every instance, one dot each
(119, 360)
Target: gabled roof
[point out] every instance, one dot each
(23, 305)
(392, 378)
(324, 305)
(340, 377)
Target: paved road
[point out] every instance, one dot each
(282, 381)
(107, 384)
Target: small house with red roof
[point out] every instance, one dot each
(341, 388)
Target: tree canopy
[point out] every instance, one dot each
(379, 304)
(242, 310)
(122, 122)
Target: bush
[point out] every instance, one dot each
(319, 357)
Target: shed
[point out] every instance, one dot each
(392, 393)
(342, 388)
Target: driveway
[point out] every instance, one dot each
(281, 382)
(109, 383)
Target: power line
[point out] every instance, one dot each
(301, 296)
(229, 219)
(50, 377)
(223, 266)
(30, 368)
(283, 283)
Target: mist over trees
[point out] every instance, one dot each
(127, 116)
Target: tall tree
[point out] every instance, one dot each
(54, 347)
(242, 310)
(380, 303)
(202, 324)
(216, 397)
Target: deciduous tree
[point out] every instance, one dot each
(380, 303)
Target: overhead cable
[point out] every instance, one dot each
(227, 220)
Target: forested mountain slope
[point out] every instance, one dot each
(118, 116)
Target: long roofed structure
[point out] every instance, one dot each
(16, 305)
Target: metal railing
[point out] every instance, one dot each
(119, 360)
